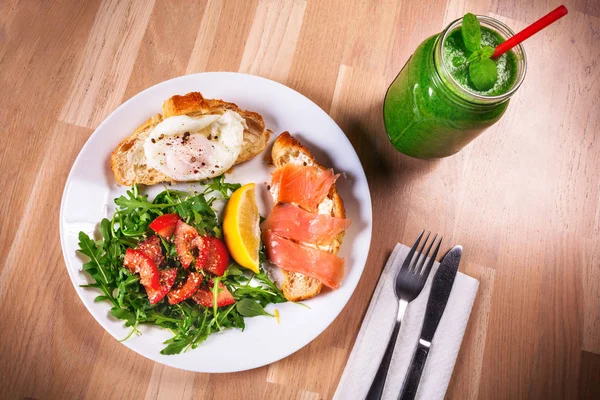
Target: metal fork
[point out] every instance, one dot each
(409, 282)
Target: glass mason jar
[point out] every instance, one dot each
(428, 114)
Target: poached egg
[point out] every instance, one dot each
(188, 148)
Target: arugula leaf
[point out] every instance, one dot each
(105, 229)
(94, 267)
(278, 296)
(122, 313)
(134, 202)
(88, 247)
(197, 211)
(250, 308)
(265, 293)
(215, 295)
(483, 74)
(471, 32)
(175, 347)
(234, 270)
(225, 189)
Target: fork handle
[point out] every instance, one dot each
(376, 389)
(413, 377)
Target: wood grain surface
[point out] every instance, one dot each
(523, 199)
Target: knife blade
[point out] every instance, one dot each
(441, 286)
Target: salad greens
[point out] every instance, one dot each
(189, 322)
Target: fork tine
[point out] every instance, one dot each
(419, 267)
(409, 257)
(429, 265)
(413, 267)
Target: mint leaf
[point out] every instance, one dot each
(482, 69)
(487, 52)
(474, 57)
(483, 74)
(471, 32)
(484, 53)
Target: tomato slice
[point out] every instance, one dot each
(202, 243)
(167, 278)
(165, 225)
(140, 263)
(185, 291)
(204, 296)
(218, 257)
(184, 236)
(152, 249)
(132, 260)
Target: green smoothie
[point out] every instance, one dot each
(433, 110)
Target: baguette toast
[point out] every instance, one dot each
(286, 149)
(129, 163)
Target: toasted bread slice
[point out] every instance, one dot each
(286, 149)
(128, 160)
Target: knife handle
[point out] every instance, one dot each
(413, 377)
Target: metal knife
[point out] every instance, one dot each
(438, 297)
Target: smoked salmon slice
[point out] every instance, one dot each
(293, 257)
(291, 222)
(305, 186)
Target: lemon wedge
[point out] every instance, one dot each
(241, 227)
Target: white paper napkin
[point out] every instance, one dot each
(377, 328)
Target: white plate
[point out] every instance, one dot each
(91, 188)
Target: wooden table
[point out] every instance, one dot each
(523, 199)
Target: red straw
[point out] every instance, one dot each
(532, 29)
